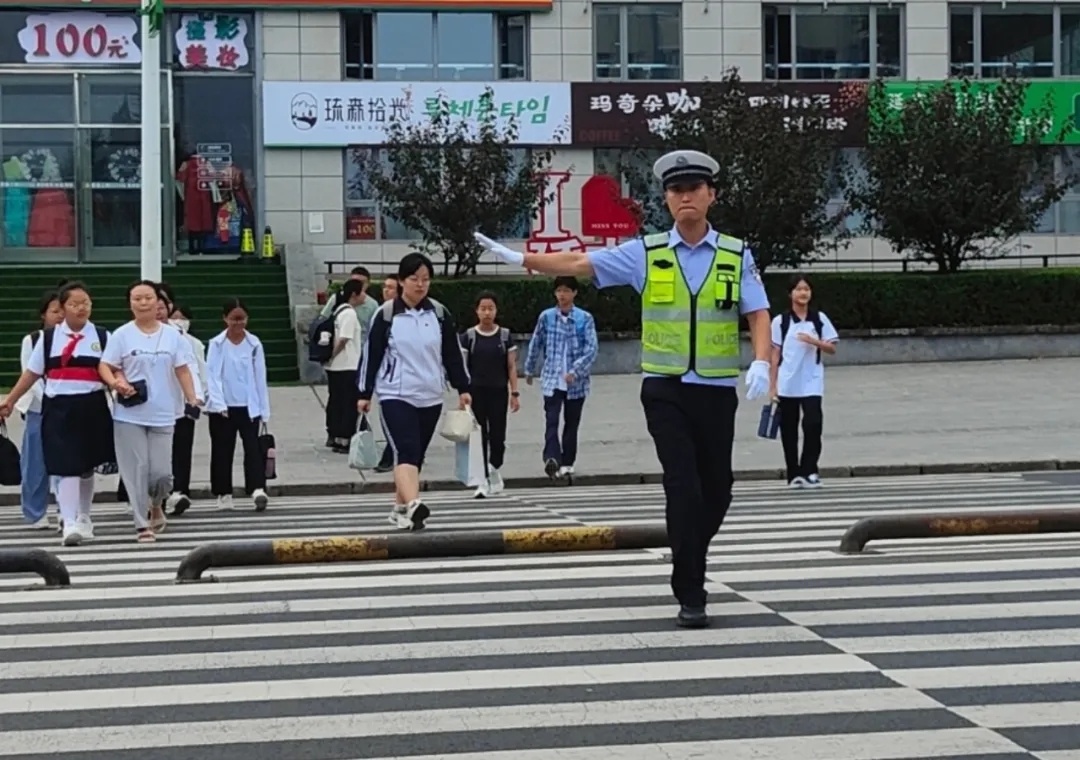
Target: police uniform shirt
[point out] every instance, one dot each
(625, 265)
(88, 346)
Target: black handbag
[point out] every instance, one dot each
(10, 463)
(140, 396)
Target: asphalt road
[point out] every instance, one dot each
(959, 648)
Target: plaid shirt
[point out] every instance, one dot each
(555, 338)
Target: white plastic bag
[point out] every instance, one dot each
(363, 451)
(458, 425)
(469, 460)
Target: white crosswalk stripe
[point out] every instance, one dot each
(953, 648)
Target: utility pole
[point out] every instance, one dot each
(152, 14)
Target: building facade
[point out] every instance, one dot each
(273, 109)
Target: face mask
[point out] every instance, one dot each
(180, 324)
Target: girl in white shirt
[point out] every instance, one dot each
(76, 425)
(184, 435)
(238, 402)
(35, 479)
(140, 363)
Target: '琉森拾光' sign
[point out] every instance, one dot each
(336, 114)
(618, 114)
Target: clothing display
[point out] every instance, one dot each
(40, 215)
(216, 205)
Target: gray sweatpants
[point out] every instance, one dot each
(144, 458)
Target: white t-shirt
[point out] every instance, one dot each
(347, 328)
(152, 357)
(800, 374)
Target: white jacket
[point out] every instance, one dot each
(258, 390)
(31, 400)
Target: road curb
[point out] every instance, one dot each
(647, 478)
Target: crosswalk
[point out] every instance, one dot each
(961, 648)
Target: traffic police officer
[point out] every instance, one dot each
(694, 284)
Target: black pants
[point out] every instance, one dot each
(562, 449)
(223, 432)
(182, 443)
(812, 420)
(490, 406)
(693, 428)
(341, 414)
(409, 429)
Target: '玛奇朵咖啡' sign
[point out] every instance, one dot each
(619, 114)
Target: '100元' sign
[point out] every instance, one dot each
(80, 37)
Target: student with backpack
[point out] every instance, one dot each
(491, 358)
(799, 337)
(412, 350)
(565, 343)
(346, 349)
(35, 480)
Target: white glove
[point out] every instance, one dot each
(500, 250)
(757, 379)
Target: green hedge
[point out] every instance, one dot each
(854, 301)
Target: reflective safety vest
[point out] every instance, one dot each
(683, 331)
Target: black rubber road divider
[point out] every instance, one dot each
(305, 551)
(945, 526)
(38, 561)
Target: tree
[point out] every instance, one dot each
(955, 171)
(446, 177)
(777, 157)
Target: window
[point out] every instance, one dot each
(428, 47)
(642, 186)
(638, 41)
(364, 218)
(993, 40)
(850, 160)
(833, 41)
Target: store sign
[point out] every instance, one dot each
(618, 114)
(212, 41)
(1063, 96)
(605, 213)
(80, 38)
(336, 114)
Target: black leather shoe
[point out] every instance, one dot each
(692, 617)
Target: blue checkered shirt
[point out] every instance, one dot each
(562, 346)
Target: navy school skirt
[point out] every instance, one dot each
(76, 433)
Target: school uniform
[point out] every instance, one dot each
(341, 414)
(144, 432)
(34, 491)
(184, 428)
(238, 401)
(487, 359)
(410, 354)
(800, 386)
(76, 423)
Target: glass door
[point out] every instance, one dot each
(38, 160)
(110, 166)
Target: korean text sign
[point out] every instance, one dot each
(618, 114)
(336, 114)
(1064, 102)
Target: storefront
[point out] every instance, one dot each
(70, 110)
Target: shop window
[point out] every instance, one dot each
(37, 190)
(425, 47)
(994, 40)
(847, 160)
(215, 154)
(364, 218)
(637, 41)
(817, 42)
(639, 183)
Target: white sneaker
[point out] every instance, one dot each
(813, 481)
(261, 500)
(797, 482)
(86, 528)
(566, 471)
(42, 524)
(224, 503)
(482, 491)
(417, 513)
(177, 504)
(399, 518)
(495, 482)
(72, 535)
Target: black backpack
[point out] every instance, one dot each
(321, 336)
(10, 466)
(470, 339)
(785, 323)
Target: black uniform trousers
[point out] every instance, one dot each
(812, 424)
(182, 444)
(693, 428)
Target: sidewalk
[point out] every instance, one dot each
(913, 414)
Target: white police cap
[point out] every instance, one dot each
(685, 166)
